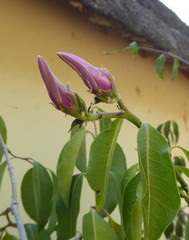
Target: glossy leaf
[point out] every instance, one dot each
(186, 152)
(160, 197)
(129, 200)
(111, 198)
(176, 131)
(96, 228)
(36, 192)
(183, 170)
(116, 227)
(104, 124)
(166, 129)
(179, 228)
(160, 62)
(81, 162)
(2, 170)
(187, 230)
(3, 132)
(129, 174)
(175, 68)
(67, 216)
(117, 171)
(33, 233)
(179, 161)
(9, 237)
(133, 47)
(159, 128)
(136, 221)
(53, 216)
(100, 161)
(169, 230)
(66, 163)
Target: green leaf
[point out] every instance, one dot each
(160, 62)
(169, 230)
(161, 199)
(183, 170)
(187, 230)
(100, 161)
(175, 68)
(36, 192)
(117, 171)
(129, 200)
(9, 237)
(53, 216)
(159, 128)
(136, 220)
(3, 132)
(186, 152)
(176, 131)
(2, 170)
(116, 227)
(179, 228)
(67, 216)
(81, 162)
(104, 124)
(133, 47)
(66, 163)
(33, 233)
(96, 228)
(179, 161)
(166, 129)
(129, 174)
(111, 198)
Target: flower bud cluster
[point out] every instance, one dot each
(99, 81)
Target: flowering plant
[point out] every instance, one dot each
(147, 194)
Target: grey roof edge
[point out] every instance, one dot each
(148, 22)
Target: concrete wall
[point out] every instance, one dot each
(35, 129)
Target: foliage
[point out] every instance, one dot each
(160, 60)
(147, 194)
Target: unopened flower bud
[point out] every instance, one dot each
(99, 81)
(62, 97)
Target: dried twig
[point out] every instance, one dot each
(28, 159)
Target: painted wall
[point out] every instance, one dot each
(35, 129)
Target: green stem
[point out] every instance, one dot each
(129, 115)
(184, 185)
(153, 50)
(124, 113)
(185, 196)
(104, 115)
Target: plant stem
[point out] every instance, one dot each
(14, 203)
(153, 50)
(184, 186)
(124, 113)
(129, 115)
(185, 196)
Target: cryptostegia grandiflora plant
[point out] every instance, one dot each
(147, 194)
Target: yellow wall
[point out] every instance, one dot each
(35, 129)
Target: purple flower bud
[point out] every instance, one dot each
(99, 81)
(62, 97)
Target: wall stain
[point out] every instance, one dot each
(138, 91)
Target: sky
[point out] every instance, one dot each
(180, 7)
